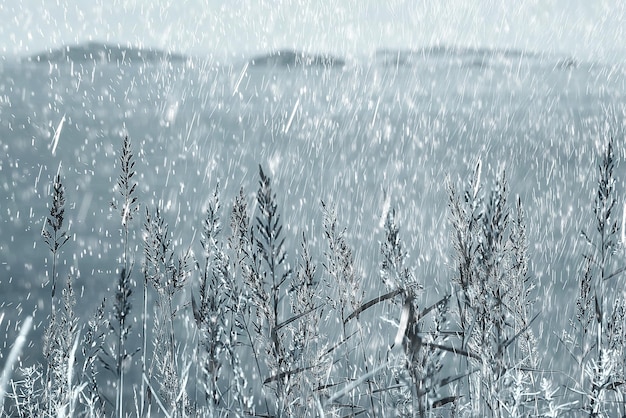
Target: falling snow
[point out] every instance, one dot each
(385, 130)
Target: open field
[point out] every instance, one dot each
(366, 140)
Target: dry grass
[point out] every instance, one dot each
(254, 327)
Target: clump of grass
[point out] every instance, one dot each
(340, 268)
(244, 269)
(416, 369)
(492, 293)
(167, 273)
(308, 347)
(127, 207)
(341, 275)
(92, 348)
(597, 340)
(268, 279)
(522, 291)
(210, 311)
(263, 347)
(215, 315)
(63, 386)
(27, 391)
(60, 348)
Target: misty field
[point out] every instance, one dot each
(198, 239)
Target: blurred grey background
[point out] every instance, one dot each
(585, 29)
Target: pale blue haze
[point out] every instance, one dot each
(582, 28)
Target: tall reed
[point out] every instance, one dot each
(54, 234)
(128, 206)
(598, 341)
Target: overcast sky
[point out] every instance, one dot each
(587, 29)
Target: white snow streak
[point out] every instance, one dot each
(375, 113)
(404, 323)
(274, 163)
(477, 178)
(172, 112)
(193, 120)
(38, 176)
(84, 208)
(386, 207)
(13, 358)
(57, 135)
(293, 113)
(243, 72)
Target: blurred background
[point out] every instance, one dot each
(587, 30)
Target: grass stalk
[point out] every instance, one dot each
(53, 233)
(127, 207)
(270, 245)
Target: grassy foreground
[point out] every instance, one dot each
(250, 327)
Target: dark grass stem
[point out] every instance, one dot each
(128, 206)
(253, 296)
(275, 272)
(54, 234)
